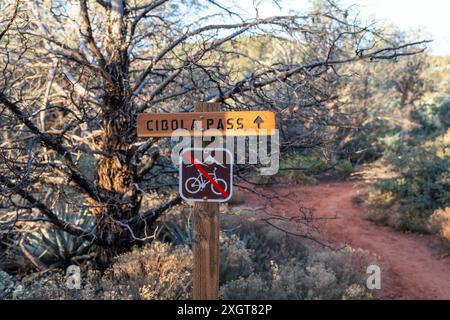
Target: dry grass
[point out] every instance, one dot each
(439, 223)
(257, 262)
(157, 271)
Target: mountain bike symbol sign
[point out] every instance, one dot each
(206, 175)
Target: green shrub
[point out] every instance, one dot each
(390, 142)
(371, 142)
(298, 168)
(444, 113)
(421, 186)
(344, 168)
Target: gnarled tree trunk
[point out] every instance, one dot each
(115, 175)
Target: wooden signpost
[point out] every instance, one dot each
(206, 208)
(206, 240)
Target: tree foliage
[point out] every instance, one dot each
(75, 74)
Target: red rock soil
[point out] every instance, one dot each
(413, 265)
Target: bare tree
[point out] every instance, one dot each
(75, 74)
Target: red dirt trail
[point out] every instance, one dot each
(413, 266)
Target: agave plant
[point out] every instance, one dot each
(176, 232)
(56, 248)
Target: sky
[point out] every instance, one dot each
(431, 15)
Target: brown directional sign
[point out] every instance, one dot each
(206, 175)
(239, 123)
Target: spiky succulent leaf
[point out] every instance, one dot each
(55, 247)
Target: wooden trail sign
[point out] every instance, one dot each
(220, 183)
(238, 123)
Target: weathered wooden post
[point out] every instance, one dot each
(206, 243)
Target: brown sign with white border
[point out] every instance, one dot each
(206, 175)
